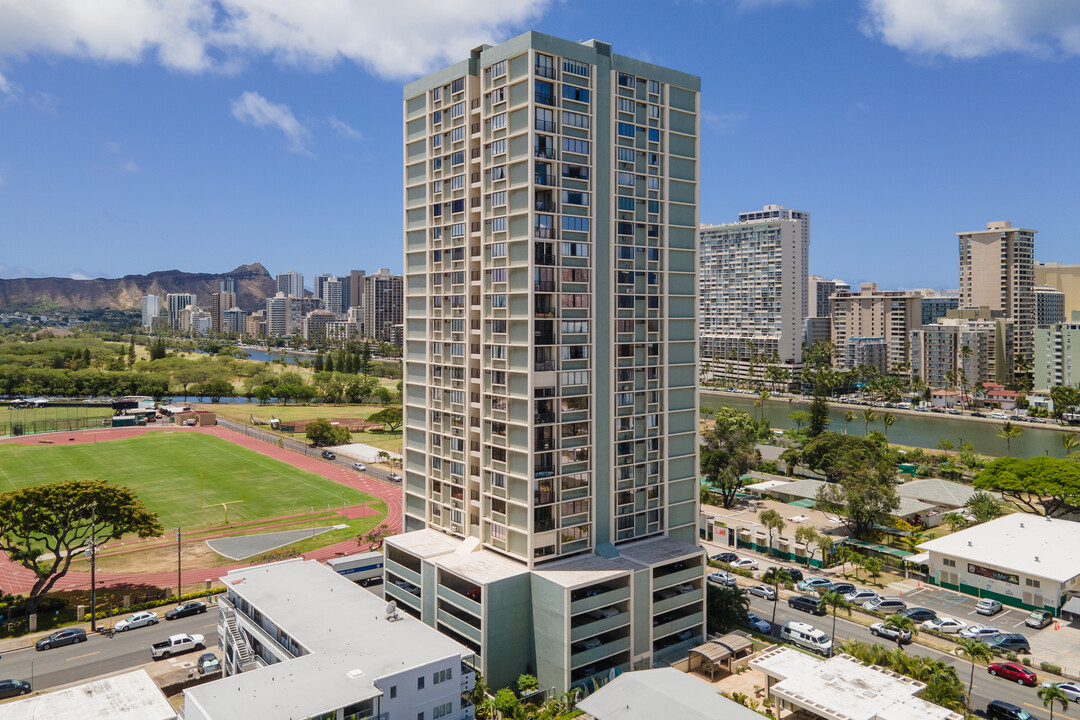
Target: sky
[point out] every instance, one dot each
(199, 135)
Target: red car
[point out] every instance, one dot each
(1013, 671)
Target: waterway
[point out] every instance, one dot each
(916, 429)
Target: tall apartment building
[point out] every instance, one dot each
(335, 295)
(551, 455)
(1049, 305)
(1053, 361)
(997, 270)
(176, 304)
(753, 283)
(314, 324)
(935, 307)
(873, 313)
(384, 303)
(937, 349)
(234, 320)
(227, 284)
(1065, 278)
(819, 292)
(291, 283)
(151, 308)
(220, 302)
(256, 324)
(356, 288)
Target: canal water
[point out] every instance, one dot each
(920, 430)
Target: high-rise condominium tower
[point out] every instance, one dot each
(151, 307)
(291, 283)
(997, 270)
(551, 454)
(753, 285)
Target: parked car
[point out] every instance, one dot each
(393, 477)
(208, 663)
(177, 645)
(838, 587)
(758, 624)
(764, 591)
(138, 620)
(979, 632)
(1070, 689)
(1001, 710)
(986, 606)
(745, 563)
(919, 614)
(725, 557)
(944, 625)
(880, 629)
(978, 414)
(1013, 671)
(327, 455)
(812, 583)
(587, 644)
(1039, 619)
(806, 636)
(11, 688)
(807, 603)
(860, 596)
(722, 578)
(359, 466)
(1009, 642)
(601, 613)
(886, 605)
(794, 573)
(186, 609)
(67, 636)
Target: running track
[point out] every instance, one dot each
(14, 578)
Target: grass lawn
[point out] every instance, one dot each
(164, 468)
(53, 417)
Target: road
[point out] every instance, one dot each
(101, 655)
(986, 687)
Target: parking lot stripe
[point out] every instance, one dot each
(916, 592)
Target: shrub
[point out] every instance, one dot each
(1056, 669)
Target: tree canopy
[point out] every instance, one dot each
(43, 527)
(729, 452)
(863, 493)
(390, 416)
(837, 456)
(320, 432)
(1044, 485)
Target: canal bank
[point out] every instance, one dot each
(917, 429)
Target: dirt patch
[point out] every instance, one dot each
(354, 424)
(192, 556)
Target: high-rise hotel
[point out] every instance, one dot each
(551, 461)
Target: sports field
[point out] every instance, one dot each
(49, 418)
(164, 468)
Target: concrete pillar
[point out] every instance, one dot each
(127, 601)
(32, 618)
(80, 613)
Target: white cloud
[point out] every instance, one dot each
(723, 123)
(967, 29)
(78, 276)
(113, 145)
(7, 87)
(132, 167)
(344, 129)
(393, 40)
(251, 108)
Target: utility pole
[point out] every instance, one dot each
(93, 565)
(178, 585)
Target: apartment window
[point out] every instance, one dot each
(420, 686)
(577, 224)
(573, 197)
(457, 182)
(573, 145)
(573, 119)
(498, 352)
(436, 187)
(393, 691)
(626, 203)
(578, 377)
(498, 301)
(1032, 583)
(498, 480)
(497, 95)
(457, 134)
(626, 105)
(498, 122)
(457, 230)
(457, 110)
(575, 249)
(436, 141)
(436, 164)
(420, 715)
(626, 80)
(498, 172)
(625, 179)
(442, 710)
(545, 66)
(653, 183)
(654, 87)
(457, 158)
(498, 532)
(545, 119)
(575, 68)
(498, 275)
(575, 352)
(573, 92)
(457, 86)
(544, 92)
(498, 69)
(498, 250)
(498, 224)
(626, 154)
(498, 198)
(624, 129)
(575, 172)
(575, 275)
(436, 94)
(457, 206)
(654, 135)
(572, 327)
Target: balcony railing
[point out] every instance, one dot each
(545, 71)
(545, 233)
(545, 152)
(545, 125)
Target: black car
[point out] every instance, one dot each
(67, 636)
(1009, 642)
(838, 587)
(185, 609)
(978, 414)
(807, 603)
(726, 557)
(329, 455)
(794, 573)
(1001, 710)
(11, 688)
(919, 614)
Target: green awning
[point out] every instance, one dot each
(877, 547)
(804, 503)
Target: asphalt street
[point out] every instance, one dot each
(986, 687)
(101, 655)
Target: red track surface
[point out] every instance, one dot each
(14, 578)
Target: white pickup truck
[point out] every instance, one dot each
(176, 645)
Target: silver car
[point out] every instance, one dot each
(722, 578)
(763, 591)
(860, 596)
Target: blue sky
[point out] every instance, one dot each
(204, 134)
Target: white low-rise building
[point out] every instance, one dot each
(128, 696)
(1021, 560)
(301, 641)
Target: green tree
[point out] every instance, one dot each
(973, 650)
(819, 414)
(726, 607)
(44, 527)
(390, 416)
(955, 521)
(901, 623)
(864, 495)
(729, 452)
(1044, 485)
(875, 566)
(868, 416)
(805, 535)
(1069, 440)
(824, 544)
(848, 417)
(777, 576)
(944, 445)
(887, 420)
(365, 358)
(800, 418)
(1007, 432)
(835, 601)
(1066, 399)
(1052, 695)
(772, 520)
(507, 703)
(527, 684)
(984, 506)
(156, 349)
(321, 433)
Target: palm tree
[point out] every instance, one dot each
(779, 577)
(1051, 694)
(955, 521)
(868, 416)
(973, 650)
(726, 607)
(887, 420)
(1007, 432)
(824, 543)
(760, 403)
(836, 601)
(1069, 440)
(900, 623)
(772, 520)
(848, 417)
(855, 648)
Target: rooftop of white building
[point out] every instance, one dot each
(662, 693)
(1031, 544)
(130, 696)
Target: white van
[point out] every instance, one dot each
(806, 636)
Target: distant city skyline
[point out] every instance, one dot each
(186, 147)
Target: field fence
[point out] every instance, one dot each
(16, 428)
